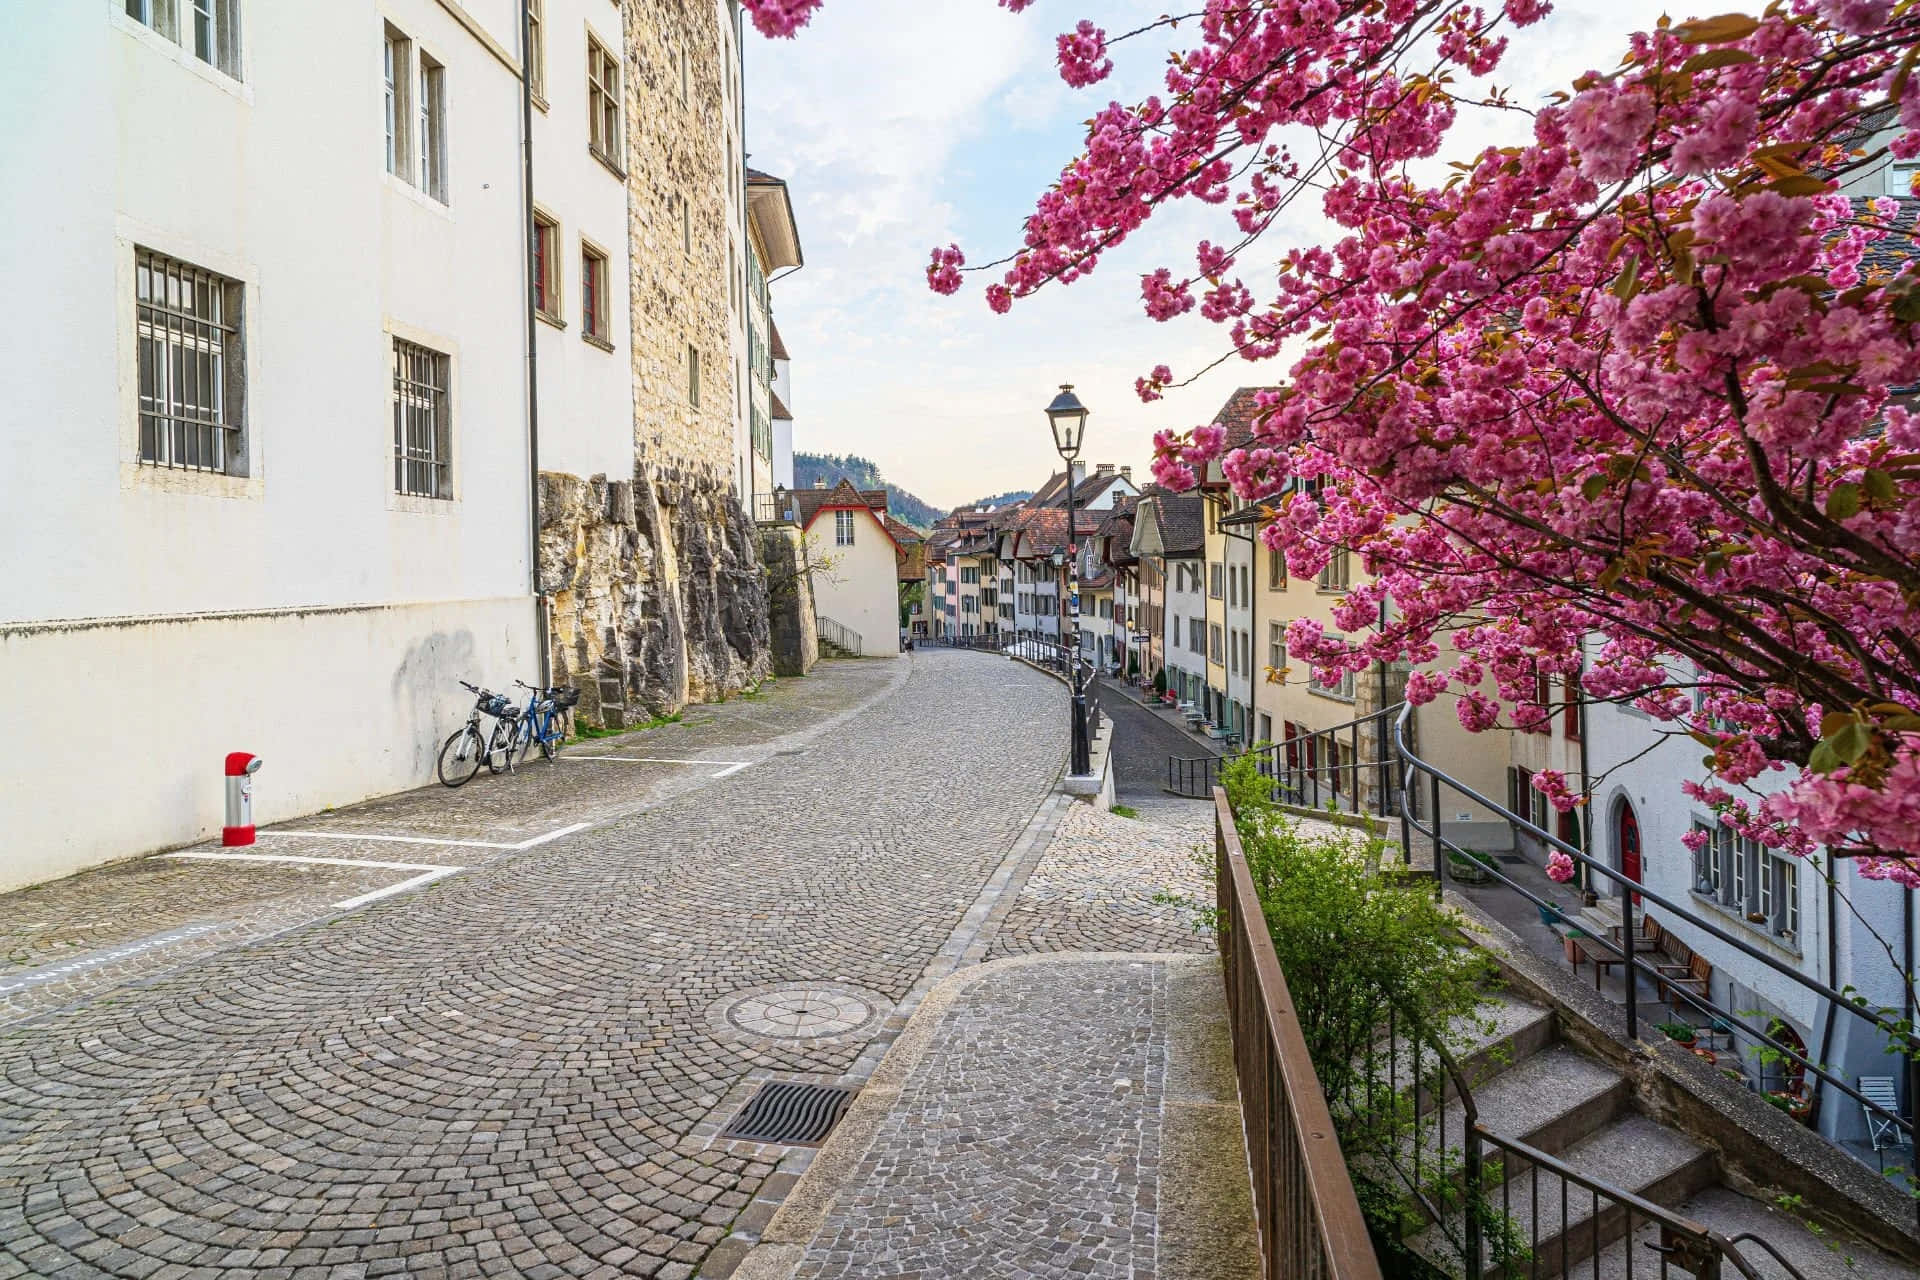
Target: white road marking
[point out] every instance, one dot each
(429, 871)
(442, 840)
(36, 976)
(733, 766)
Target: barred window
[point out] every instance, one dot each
(603, 104)
(192, 366)
(422, 433)
(212, 32)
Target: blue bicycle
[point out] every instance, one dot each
(542, 720)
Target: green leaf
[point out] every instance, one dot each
(1624, 286)
(1800, 184)
(1822, 759)
(1852, 742)
(1594, 487)
(1879, 486)
(1843, 502)
(1716, 58)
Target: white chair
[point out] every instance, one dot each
(1882, 1132)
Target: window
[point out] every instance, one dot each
(1570, 719)
(1334, 576)
(593, 295)
(693, 376)
(603, 104)
(843, 537)
(1276, 645)
(1343, 690)
(968, 573)
(430, 173)
(686, 76)
(1196, 642)
(1215, 648)
(192, 366)
(1276, 571)
(212, 32)
(1217, 585)
(537, 48)
(421, 431)
(546, 267)
(1706, 863)
(398, 55)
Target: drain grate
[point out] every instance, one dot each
(794, 1114)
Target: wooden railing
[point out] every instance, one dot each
(1310, 1223)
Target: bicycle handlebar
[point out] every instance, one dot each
(471, 688)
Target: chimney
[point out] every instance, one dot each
(1076, 473)
(1105, 469)
(1126, 473)
(819, 482)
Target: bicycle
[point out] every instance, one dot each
(542, 720)
(461, 754)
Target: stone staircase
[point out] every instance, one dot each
(837, 641)
(1531, 1086)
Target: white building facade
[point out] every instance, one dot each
(257, 501)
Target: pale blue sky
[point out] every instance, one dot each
(901, 124)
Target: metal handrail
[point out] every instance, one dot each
(1625, 949)
(1181, 769)
(1304, 1202)
(837, 634)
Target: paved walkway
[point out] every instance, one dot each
(304, 1071)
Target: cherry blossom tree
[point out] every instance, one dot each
(1619, 404)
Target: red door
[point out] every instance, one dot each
(1629, 827)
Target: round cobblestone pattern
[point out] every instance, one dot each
(1096, 886)
(494, 1076)
(801, 1011)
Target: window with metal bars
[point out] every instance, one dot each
(187, 323)
(603, 104)
(422, 433)
(211, 33)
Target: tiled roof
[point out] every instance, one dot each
(1900, 248)
(779, 412)
(902, 533)
(779, 347)
(1044, 530)
(1183, 523)
(810, 501)
(1237, 415)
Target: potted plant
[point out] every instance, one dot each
(1466, 868)
(1573, 954)
(1705, 1055)
(1795, 1102)
(1678, 1032)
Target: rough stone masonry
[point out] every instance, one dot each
(657, 596)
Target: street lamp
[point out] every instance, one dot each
(1068, 419)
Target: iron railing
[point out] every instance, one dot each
(1351, 767)
(843, 638)
(777, 507)
(1624, 952)
(1303, 1198)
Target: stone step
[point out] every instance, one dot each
(1560, 1223)
(1813, 1257)
(1504, 1034)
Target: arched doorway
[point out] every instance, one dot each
(1626, 843)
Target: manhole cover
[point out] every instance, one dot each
(800, 1011)
(794, 1114)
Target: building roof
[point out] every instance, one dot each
(903, 533)
(1183, 523)
(773, 338)
(813, 501)
(779, 411)
(1239, 414)
(1895, 251)
(771, 210)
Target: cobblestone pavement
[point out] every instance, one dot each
(1143, 740)
(517, 1070)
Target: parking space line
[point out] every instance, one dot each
(440, 840)
(733, 766)
(429, 872)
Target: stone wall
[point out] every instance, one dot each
(792, 621)
(656, 597)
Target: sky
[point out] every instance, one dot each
(904, 124)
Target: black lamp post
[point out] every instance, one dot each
(1068, 418)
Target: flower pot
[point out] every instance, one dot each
(1705, 1055)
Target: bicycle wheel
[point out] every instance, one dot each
(556, 734)
(500, 746)
(460, 757)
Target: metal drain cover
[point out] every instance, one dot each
(798, 1115)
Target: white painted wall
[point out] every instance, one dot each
(586, 391)
(119, 138)
(1186, 599)
(861, 591)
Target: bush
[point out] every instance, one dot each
(1160, 680)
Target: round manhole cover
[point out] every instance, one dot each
(800, 1011)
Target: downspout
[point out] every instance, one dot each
(1380, 730)
(1253, 630)
(1833, 958)
(533, 343)
(1586, 785)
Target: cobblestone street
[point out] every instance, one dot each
(213, 1070)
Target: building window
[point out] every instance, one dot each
(212, 32)
(422, 435)
(1216, 648)
(537, 48)
(1334, 577)
(1217, 584)
(686, 76)
(1276, 646)
(686, 226)
(693, 376)
(1570, 718)
(546, 267)
(431, 169)
(593, 294)
(843, 537)
(398, 56)
(603, 104)
(192, 366)
(1276, 571)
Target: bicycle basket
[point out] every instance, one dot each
(566, 699)
(497, 706)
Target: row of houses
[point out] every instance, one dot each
(1179, 594)
(376, 347)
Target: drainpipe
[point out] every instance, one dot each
(533, 344)
(1586, 785)
(1380, 729)
(1833, 957)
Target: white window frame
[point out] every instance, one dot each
(606, 110)
(537, 50)
(422, 463)
(210, 33)
(1338, 574)
(397, 73)
(843, 537)
(172, 434)
(430, 169)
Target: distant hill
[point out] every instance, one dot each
(1005, 499)
(808, 467)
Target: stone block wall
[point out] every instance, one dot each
(792, 621)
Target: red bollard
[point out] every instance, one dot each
(240, 770)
